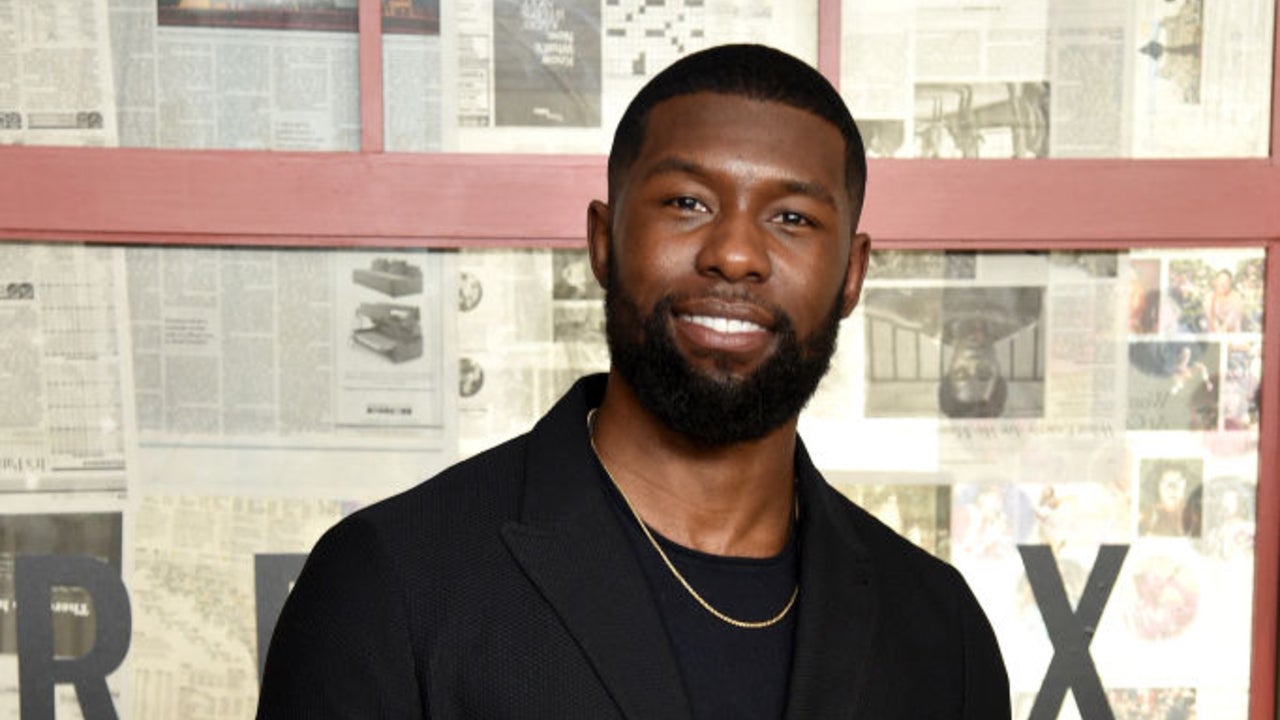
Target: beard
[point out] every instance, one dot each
(715, 409)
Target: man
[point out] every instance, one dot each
(660, 545)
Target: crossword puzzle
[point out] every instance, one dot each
(644, 36)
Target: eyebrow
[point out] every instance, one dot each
(675, 165)
(678, 165)
(818, 192)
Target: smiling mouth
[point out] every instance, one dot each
(727, 326)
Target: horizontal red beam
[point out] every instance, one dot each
(447, 199)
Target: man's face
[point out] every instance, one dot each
(729, 259)
(973, 373)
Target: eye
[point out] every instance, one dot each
(790, 217)
(688, 204)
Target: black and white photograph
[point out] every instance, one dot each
(572, 277)
(470, 377)
(982, 120)
(392, 331)
(390, 276)
(96, 535)
(883, 138)
(1173, 49)
(957, 352)
(574, 322)
(546, 63)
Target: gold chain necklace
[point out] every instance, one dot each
(746, 624)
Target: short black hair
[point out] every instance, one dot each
(755, 72)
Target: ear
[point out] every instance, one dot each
(598, 223)
(859, 252)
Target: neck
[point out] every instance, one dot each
(728, 500)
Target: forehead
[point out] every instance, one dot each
(761, 132)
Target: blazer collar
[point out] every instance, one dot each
(573, 550)
(570, 545)
(837, 605)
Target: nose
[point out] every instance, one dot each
(735, 249)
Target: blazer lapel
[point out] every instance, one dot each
(571, 548)
(837, 607)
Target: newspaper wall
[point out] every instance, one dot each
(1060, 78)
(1019, 414)
(192, 419)
(1047, 422)
(1012, 414)
(935, 78)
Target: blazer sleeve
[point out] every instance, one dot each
(986, 681)
(341, 646)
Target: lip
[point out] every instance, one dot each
(714, 325)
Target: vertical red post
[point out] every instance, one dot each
(370, 35)
(1266, 579)
(829, 40)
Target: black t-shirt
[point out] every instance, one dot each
(728, 672)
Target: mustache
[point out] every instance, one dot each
(780, 318)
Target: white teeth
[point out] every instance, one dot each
(728, 326)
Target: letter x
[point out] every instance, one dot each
(1071, 632)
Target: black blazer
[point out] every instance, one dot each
(505, 588)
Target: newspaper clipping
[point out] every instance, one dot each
(311, 364)
(64, 373)
(1059, 78)
(56, 83)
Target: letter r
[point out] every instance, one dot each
(38, 671)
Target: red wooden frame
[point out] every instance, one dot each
(377, 199)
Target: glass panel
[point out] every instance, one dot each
(213, 74)
(554, 76)
(1056, 402)
(258, 75)
(412, 77)
(224, 407)
(1015, 412)
(55, 74)
(1060, 78)
(1011, 413)
(1053, 401)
